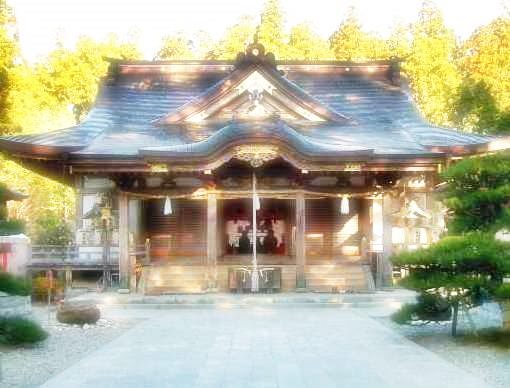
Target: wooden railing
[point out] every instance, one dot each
(71, 254)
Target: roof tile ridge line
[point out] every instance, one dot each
(198, 101)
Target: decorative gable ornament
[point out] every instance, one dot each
(256, 154)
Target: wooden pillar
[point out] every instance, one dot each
(300, 241)
(68, 284)
(376, 241)
(387, 267)
(78, 189)
(212, 241)
(124, 259)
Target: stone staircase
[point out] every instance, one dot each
(173, 279)
(338, 278)
(191, 279)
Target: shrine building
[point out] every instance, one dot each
(249, 175)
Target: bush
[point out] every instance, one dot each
(428, 308)
(19, 330)
(503, 292)
(11, 227)
(13, 285)
(52, 230)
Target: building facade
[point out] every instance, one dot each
(200, 176)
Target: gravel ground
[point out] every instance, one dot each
(66, 344)
(487, 361)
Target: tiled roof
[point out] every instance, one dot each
(384, 119)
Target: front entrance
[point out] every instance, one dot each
(274, 227)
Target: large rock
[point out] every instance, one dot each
(78, 313)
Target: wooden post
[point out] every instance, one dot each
(212, 251)
(387, 267)
(124, 262)
(300, 241)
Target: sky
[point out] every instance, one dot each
(42, 23)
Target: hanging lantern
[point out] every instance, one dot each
(167, 209)
(344, 205)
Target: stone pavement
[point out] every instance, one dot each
(260, 346)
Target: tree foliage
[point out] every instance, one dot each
(477, 193)
(73, 76)
(270, 31)
(350, 43)
(431, 67)
(235, 40)
(176, 46)
(484, 96)
(304, 43)
(8, 54)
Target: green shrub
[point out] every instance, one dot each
(503, 291)
(52, 230)
(19, 330)
(13, 285)
(428, 308)
(11, 227)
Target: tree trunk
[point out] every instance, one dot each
(505, 314)
(455, 318)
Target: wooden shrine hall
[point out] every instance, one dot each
(251, 175)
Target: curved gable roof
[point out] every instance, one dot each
(376, 114)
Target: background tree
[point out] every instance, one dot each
(73, 76)
(270, 31)
(399, 42)
(430, 67)
(8, 54)
(484, 97)
(305, 44)
(235, 40)
(176, 47)
(350, 43)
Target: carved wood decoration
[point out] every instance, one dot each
(256, 154)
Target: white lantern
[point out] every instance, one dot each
(344, 205)
(167, 209)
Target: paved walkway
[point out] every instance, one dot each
(262, 347)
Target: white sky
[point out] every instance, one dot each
(42, 22)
